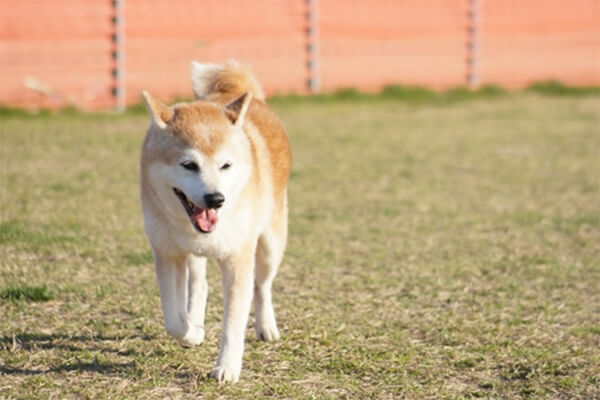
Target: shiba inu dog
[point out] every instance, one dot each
(214, 176)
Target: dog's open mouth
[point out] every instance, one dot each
(204, 219)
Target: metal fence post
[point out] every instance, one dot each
(312, 47)
(118, 39)
(473, 45)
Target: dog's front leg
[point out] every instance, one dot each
(238, 281)
(172, 275)
(197, 293)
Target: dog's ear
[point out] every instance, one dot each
(159, 112)
(238, 108)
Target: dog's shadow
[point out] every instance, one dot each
(32, 342)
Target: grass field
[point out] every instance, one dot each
(437, 251)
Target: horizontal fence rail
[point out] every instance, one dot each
(103, 53)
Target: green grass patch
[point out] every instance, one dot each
(555, 88)
(6, 112)
(408, 93)
(423, 95)
(590, 331)
(26, 293)
(17, 231)
(138, 258)
(399, 93)
(30, 235)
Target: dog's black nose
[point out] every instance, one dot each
(214, 200)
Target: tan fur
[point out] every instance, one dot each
(229, 122)
(273, 132)
(201, 124)
(230, 80)
(160, 112)
(277, 142)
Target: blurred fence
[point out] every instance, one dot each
(102, 53)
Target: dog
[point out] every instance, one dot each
(214, 176)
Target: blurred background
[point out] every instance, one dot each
(100, 54)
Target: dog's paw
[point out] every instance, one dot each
(193, 337)
(185, 332)
(226, 373)
(267, 332)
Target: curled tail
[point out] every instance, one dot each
(224, 81)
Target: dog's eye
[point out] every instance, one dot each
(225, 166)
(190, 166)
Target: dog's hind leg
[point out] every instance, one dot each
(269, 254)
(172, 274)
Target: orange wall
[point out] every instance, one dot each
(373, 43)
(64, 44)
(162, 37)
(67, 44)
(532, 40)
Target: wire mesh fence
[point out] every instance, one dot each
(102, 53)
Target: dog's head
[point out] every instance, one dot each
(196, 158)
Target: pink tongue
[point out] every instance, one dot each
(206, 219)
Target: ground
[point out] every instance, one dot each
(437, 250)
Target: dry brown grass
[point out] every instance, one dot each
(436, 251)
